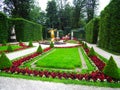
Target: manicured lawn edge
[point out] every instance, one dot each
(91, 66)
(65, 81)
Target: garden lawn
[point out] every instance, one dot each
(4, 48)
(63, 58)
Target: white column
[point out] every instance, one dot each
(57, 34)
(71, 35)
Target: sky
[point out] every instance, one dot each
(102, 4)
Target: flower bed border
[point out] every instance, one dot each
(94, 76)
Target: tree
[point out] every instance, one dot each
(18, 8)
(35, 13)
(91, 6)
(78, 11)
(52, 19)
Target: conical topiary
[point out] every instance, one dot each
(91, 52)
(30, 44)
(111, 69)
(39, 50)
(4, 43)
(4, 61)
(85, 45)
(9, 49)
(51, 44)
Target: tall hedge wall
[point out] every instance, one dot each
(109, 35)
(91, 31)
(3, 28)
(26, 30)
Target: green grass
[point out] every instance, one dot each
(66, 81)
(72, 41)
(4, 48)
(65, 58)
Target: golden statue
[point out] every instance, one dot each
(52, 34)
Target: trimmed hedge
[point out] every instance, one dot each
(4, 61)
(9, 49)
(109, 35)
(39, 50)
(91, 52)
(26, 30)
(91, 30)
(3, 28)
(111, 69)
(30, 44)
(51, 44)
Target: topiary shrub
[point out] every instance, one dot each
(111, 69)
(4, 61)
(52, 45)
(30, 44)
(85, 46)
(9, 49)
(91, 52)
(4, 43)
(39, 50)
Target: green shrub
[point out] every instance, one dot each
(85, 45)
(51, 44)
(91, 30)
(91, 52)
(72, 41)
(111, 69)
(9, 49)
(109, 35)
(39, 50)
(4, 61)
(4, 43)
(3, 27)
(30, 44)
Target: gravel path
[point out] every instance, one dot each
(17, 54)
(22, 84)
(105, 54)
(84, 66)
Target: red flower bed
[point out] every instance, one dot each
(100, 64)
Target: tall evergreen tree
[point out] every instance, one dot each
(78, 11)
(18, 8)
(52, 18)
(91, 6)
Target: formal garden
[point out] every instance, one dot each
(66, 59)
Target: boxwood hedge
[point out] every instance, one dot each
(26, 30)
(91, 30)
(109, 35)
(3, 28)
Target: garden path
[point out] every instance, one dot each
(17, 54)
(22, 84)
(84, 66)
(105, 54)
